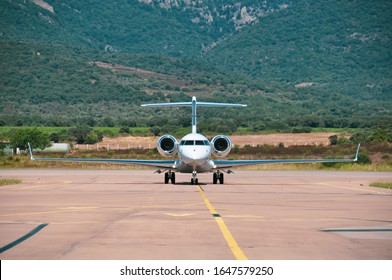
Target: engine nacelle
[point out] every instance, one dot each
(167, 145)
(221, 146)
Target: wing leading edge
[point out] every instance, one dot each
(219, 164)
(166, 164)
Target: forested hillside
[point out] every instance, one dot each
(295, 63)
(337, 46)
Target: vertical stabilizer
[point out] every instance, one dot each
(194, 106)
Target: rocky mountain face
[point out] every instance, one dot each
(233, 14)
(178, 27)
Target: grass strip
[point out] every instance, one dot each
(4, 182)
(385, 185)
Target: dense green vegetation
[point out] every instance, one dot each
(338, 46)
(92, 63)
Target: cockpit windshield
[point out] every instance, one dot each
(187, 142)
(194, 142)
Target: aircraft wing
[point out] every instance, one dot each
(166, 164)
(233, 163)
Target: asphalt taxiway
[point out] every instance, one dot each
(113, 214)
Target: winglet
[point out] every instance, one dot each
(356, 155)
(30, 151)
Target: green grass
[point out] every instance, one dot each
(385, 185)
(112, 131)
(4, 182)
(46, 129)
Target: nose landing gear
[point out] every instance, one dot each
(194, 180)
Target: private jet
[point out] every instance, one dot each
(194, 151)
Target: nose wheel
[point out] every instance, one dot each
(194, 180)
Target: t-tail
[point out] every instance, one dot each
(194, 104)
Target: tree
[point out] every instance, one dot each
(55, 137)
(21, 137)
(79, 133)
(155, 130)
(333, 140)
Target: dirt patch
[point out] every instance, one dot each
(288, 139)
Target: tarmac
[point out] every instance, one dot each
(255, 215)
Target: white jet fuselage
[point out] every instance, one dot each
(194, 154)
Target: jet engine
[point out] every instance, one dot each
(167, 145)
(221, 146)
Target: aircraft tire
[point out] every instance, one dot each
(221, 178)
(166, 178)
(173, 178)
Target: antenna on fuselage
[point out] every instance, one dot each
(194, 105)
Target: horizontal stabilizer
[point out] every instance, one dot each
(189, 104)
(194, 104)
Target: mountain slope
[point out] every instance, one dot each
(297, 63)
(341, 46)
(121, 26)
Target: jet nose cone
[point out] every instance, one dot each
(194, 156)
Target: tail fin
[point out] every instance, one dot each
(194, 105)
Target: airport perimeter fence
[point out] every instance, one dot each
(108, 147)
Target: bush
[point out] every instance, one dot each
(333, 140)
(306, 129)
(364, 158)
(91, 138)
(124, 130)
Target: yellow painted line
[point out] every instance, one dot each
(65, 182)
(34, 187)
(18, 222)
(335, 185)
(250, 217)
(48, 212)
(91, 208)
(178, 214)
(235, 249)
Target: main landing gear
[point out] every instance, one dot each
(170, 176)
(217, 176)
